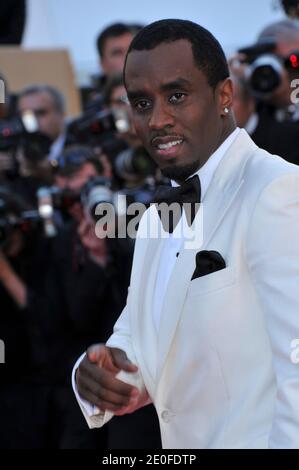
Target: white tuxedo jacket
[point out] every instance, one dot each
(219, 371)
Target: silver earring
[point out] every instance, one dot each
(226, 110)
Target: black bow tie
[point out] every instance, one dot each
(188, 192)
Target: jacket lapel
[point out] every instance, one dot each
(141, 301)
(221, 193)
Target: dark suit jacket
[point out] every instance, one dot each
(279, 138)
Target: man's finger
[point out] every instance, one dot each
(95, 352)
(106, 379)
(101, 393)
(102, 405)
(121, 360)
(100, 354)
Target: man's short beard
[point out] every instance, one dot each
(180, 173)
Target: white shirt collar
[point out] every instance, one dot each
(57, 147)
(207, 171)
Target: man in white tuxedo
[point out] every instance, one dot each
(207, 331)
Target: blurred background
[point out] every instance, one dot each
(74, 24)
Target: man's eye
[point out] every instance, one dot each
(142, 104)
(177, 98)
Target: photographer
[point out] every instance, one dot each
(108, 129)
(47, 104)
(132, 166)
(259, 121)
(89, 280)
(33, 139)
(112, 44)
(285, 37)
(266, 70)
(80, 285)
(24, 390)
(6, 158)
(86, 286)
(116, 99)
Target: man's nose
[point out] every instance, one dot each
(161, 117)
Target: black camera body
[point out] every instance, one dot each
(134, 162)
(96, 123)
(22, 131)
(265, 70)
(96, 191)
(26, 221)
(104, 128)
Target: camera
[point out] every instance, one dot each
(100, 127)
(109, 210)
(23, 131)
(96, 123)
(26, 221)
(265, 70)
(50, 199)
(96, 191)
(134, 162)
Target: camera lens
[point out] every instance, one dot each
(265, 74)
(97, 192)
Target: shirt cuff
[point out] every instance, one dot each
(89, 409)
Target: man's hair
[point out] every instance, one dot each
(112, 31)
(207, 53)
(285, 30)
(57, 97)
(74, 158)
(135, 28)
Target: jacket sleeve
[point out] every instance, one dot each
(272, 248)
(121, 339)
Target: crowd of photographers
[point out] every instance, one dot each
(266, 89)
(61, 286)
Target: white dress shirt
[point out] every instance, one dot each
(168, 256)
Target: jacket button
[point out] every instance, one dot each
(166, 416)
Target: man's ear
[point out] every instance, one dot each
(225, 96)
